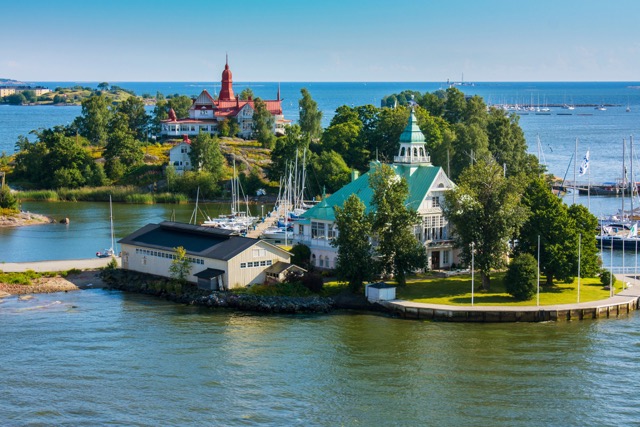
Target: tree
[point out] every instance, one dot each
(103, 86)
(180, 104)
(331, 170)
(301, 254)
(160, 113)
(285, 151)
(586, 224)
(383, 141)
(92, 123)
(521, 278)
(29, 96)
(206, 155)
(354, 249)
(247, 93)
(263, 124)
(310, 117)
(399, 250)
(180, 267)
(15, 99)
(485, 210)
(138, 120)
(558, 228)
(122, 151)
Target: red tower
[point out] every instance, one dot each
(226, 91)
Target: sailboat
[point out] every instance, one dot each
(109, 252)
(238, 220)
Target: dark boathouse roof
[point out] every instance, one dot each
(206, 242)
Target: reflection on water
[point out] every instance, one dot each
(103, 357)
(89, 229)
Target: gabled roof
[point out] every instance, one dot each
(203, 99)
(419, 178)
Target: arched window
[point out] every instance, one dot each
(402, 152)
(313, 259)
(326, 261)
(415, 152)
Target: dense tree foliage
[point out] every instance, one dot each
(94, 119)
(558, 227)
(123, 151)
(399, 250)
(180, 268)
(206, 155)
(56, 160)
(310, 117)
(486, 210)
(138, 119)
(180, 104)
(354, 248)
(331, 170)
(285, 152)
(247, 93)
(263, 124)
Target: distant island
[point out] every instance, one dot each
(14, 92)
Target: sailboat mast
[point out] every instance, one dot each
(633, 181)
(113, 244)
(624, 175)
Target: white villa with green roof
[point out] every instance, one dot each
(427, 185)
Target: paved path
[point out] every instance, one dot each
(61, 265)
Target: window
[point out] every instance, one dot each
(250, 264)
(269, 262)
(332, 231)
(317, 230)
(243, 265)
(435, 202)
(259, 253)
(263, 263)
(445, 257)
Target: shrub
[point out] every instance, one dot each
(520, 281)
(605, 278)
(7, 199)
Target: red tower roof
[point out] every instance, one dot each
(172, 114)
(226, 91)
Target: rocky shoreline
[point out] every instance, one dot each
(24, 218)
(189, 294)
(48, 285)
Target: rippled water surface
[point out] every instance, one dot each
(104, 357)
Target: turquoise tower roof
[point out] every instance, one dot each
(412, 133)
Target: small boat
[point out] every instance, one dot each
(109, 252)
(601, 107)
(277, 233)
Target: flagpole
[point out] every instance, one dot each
(611, 270)
(472, 270)
(538, 292)
(575, 161)
(588, 183)
(579, 253)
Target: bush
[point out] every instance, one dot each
(605, 278)
(7, 199)
(520, 281)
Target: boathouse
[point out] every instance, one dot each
(427, 187)
(219, 259)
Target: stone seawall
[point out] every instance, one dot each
(596, 310)
(189, 294)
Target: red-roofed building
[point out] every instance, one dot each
(206, 113)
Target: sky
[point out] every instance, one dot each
(321, 40)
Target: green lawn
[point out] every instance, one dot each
(456, 290)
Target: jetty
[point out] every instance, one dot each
(268, 221)
(618, 305)
(57, 265)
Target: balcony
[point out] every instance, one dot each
(412, 159)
